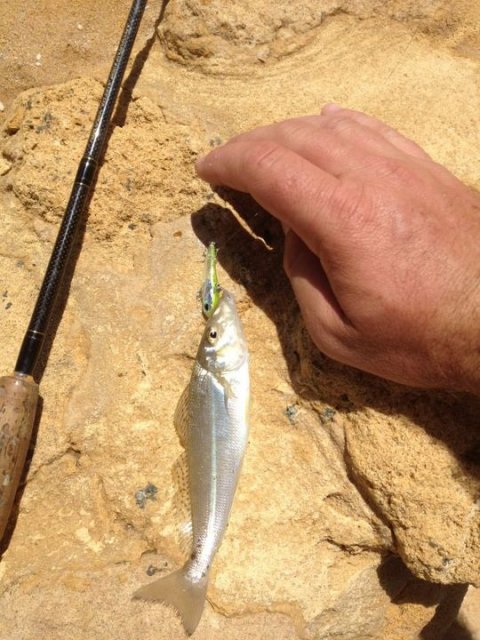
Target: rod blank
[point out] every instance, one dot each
(35, 334)
(19, 392)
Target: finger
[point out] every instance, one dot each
(268, 131)
(336, 143)
(324, 318)
(394, 137)
(326, 322)
(298, 193)
(306, 274)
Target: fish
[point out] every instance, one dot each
(212, 421)
(211, 290)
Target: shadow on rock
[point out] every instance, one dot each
(404, 588)
(250, 244)
(458, 632)
(251, 250)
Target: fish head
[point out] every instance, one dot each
(223, 346)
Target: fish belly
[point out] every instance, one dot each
(215, 447)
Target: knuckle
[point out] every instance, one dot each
(350, 202)
(382, 171)
(397, 171)
(337, 342)
(263, 156)
(294, 128)
(341, 123)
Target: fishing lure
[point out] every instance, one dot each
(211, 290)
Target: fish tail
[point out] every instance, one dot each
(181, 592)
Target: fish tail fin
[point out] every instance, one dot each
(181, 592)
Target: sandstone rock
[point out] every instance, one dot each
(42, 180)
(415, 494)
(219, 37)
(69, 37)
(347, 479)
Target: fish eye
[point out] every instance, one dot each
(213, 334)
(206, 306)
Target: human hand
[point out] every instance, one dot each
(382, 244)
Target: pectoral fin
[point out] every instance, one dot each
(181, 417)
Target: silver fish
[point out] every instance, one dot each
(214, 419)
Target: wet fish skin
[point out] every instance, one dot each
(215, 431)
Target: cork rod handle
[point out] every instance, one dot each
(18, 404)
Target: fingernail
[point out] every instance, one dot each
(331, 107)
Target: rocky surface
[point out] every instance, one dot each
(206, 35)
(357, 516)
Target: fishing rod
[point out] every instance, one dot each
(19, 391)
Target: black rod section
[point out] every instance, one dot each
(33, 340)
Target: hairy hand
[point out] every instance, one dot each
(382, 244)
